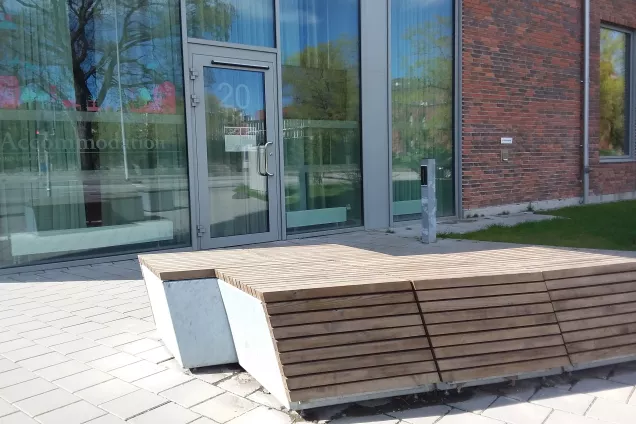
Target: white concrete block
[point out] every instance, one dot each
(191, 320)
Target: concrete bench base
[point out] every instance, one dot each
(191, 320)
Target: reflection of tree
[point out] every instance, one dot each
(612, 92)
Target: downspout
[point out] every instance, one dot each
(586, 105)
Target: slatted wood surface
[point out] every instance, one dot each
(347, 320)
(596, 309)
(506, 327)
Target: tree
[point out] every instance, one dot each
(612, 93)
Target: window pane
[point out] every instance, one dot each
(320, 46)
(232, 21)
(614, 93)
(422, 102)
(92, 126)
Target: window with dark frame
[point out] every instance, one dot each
(615, 138)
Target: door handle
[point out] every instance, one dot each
(267, 173)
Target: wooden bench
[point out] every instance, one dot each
(327, 324)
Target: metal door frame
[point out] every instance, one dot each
(246, 60)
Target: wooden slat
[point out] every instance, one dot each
(354, 288)
(514, 368)
(353, 350)
(481, 291)
(338, 302)
(353, 362)
(484, 302)
(584, 271)
(595, 312)
(589, 302)
(576, 336)
(345, 326)
(607, 289)
(489, 359)
(489, 336)
(603, 354)
(299, 318)
(339, 339)
(490, 324)
(595, 280)
(360, 374)
(475, 280)
(369, 386)
(602, 343)
(605, 321)
(499, 346)
(483, 314)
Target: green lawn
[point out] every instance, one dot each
(604, 226)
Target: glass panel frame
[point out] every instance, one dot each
(625, 126)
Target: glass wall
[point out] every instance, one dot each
(93, 155)
(232, 21)
(614, 92)
(320, 50)
(422, 102)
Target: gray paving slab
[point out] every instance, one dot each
(163, 380)
(192, 393)
(605, 389)
(46, 402)
(113, 362)
(515, 412)
(18, 418)
(224, 407)
(612, 412)
(26, 389)
(171, 413)
(15, 376)
(6, 408)
(107, 391)
(424, 415)
(137, 371)
(62, 370)
(76, 413)
(133, 404)
(462, 417)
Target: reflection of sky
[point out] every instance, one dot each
(160, 55)
(618, 58)
(236, 89)
(409, 15)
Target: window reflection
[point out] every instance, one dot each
(233, 21)
(320, 48)
(614, 93)
(422, 102)
(92, 128)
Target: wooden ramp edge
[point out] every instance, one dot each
(596, 310)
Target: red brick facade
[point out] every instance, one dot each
(522, 78)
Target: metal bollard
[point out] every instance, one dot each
(429, 201)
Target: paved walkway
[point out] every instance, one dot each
(79, 345)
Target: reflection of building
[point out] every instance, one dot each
(108, 147)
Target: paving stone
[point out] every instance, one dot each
(376, 419)
(560, 417)
(43, 309)
(522, 390)
(54, 316)
(93, 353)
(95, 310)
(596, 372)
(7, 365)
(7, 336)
(18, 418)
(574, 403)
(265, 399)
(613, 412)
(137, 371)
(43, 361)
(624, 376)
(212, 374)
(477, 403)
(133, 404)
(26, 389)
(141, 313)
(68, 322)
(163, 380)
(41, 333)
(156, 355)
(603, 389)
(424, 415)
(82, 380)
(28, 326)
(74, 346)
(57, 339)
(170, 413)
(107, 317)
(191, 393)
(224, 407)
(263, 415)
(112, 362)
(107, 419)
(514, 412)
(76, 413)
(15, 376)
(107, 391)
(15, 345)
(204, 420)
(462, 417)
(62, 370)
(6, 408)
(119, 339)
(14, 320)
(241, 384)
(139, 346)
(84, 328)
(27, 352)
(46, 402)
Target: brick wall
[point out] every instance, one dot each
(607, 178)
(522, 72)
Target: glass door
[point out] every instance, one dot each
(234, 101)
